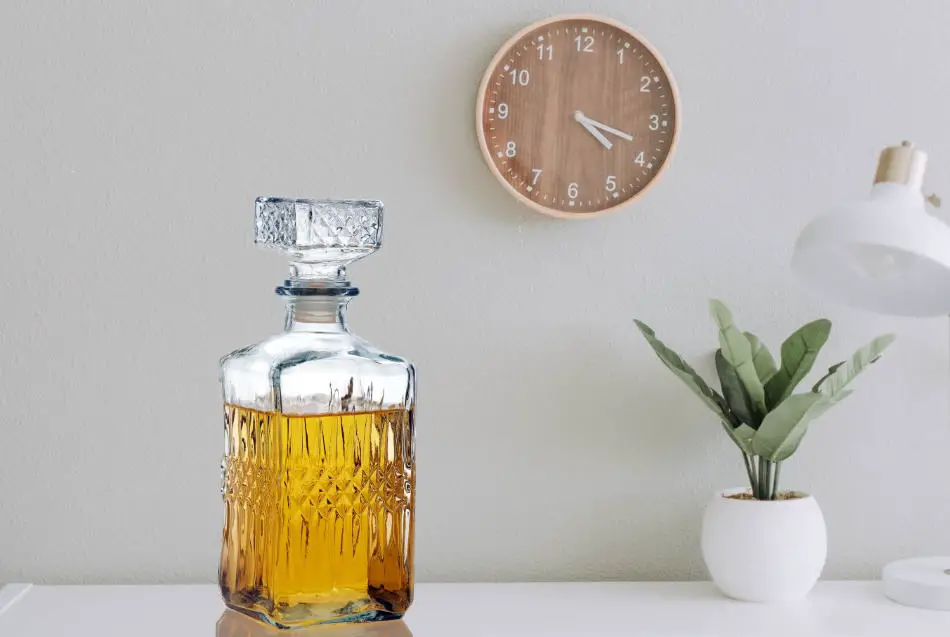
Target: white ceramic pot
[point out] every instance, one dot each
(764, 551)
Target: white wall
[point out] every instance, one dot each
(552, 444)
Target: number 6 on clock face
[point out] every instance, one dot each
(577, 115)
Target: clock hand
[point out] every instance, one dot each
(579, 118)
(597, 135)
(604, 127)
(613, 131)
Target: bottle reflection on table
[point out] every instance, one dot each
(234, 624)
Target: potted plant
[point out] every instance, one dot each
(761, 543)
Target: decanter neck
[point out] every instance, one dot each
(325, 313)
(321, 274)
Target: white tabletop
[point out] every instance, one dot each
(839, 609)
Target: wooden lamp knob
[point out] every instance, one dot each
(902, 164)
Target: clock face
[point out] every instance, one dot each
(576, 116)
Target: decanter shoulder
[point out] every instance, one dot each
(316, 373)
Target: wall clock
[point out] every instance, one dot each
(577, 115)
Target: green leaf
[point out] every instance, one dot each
(741, 435)
(783, 428)
(734, 391)
(675, 363)
(799, 352)
(831, 370)
(858, 362)
(764, 363)
(737, 350)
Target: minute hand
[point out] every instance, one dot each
(608, 129)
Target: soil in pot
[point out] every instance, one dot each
(781, 495)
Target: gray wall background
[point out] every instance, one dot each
(552, 445)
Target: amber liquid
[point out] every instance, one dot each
(319, 516)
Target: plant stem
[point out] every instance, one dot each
(748, 469)
(778, 466)
(763, 479)
(759, 495)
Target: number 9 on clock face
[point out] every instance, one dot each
(576, 116)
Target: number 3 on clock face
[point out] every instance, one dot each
(577, 115)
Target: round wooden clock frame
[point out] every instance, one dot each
(567, 159)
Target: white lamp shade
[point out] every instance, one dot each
(886, 254)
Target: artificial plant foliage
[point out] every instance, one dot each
(761, 358)
(737, 351)
(783, 428)
(758, 407)
(688, 375)
(799, 352)
(737, 398)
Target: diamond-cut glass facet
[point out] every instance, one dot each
(300, 225)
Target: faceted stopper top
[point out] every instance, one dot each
(319, 230)
(321, 236)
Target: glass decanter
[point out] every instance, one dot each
(318, 476)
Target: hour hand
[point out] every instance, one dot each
(583, 119)
(580, 119)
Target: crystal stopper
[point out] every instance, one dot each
(319, 229)
(320, 235)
